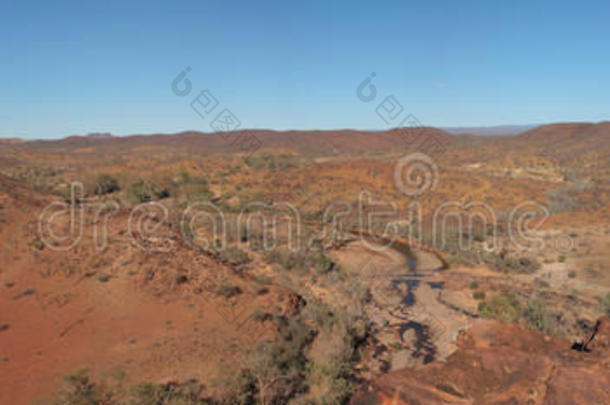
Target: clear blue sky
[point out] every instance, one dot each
(74, 67)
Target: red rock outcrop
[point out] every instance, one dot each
(499, 363)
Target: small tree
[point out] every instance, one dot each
(265, 371)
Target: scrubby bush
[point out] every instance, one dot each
(478, 295)
(540, 283)
(271, 162)
(302, 261)
(332, 355)
(194, 188)
(322, 264)
(506, 263)
(274, 372)
(277, 369)
(504, 307)
(332, 382)
(537, 316)
(105, 184)
(286, 259)
(228, 290)
(592, 272)
(234, 256)
(142, 191)
(79, 389)
(258, 162)
(168, 394)
(561, 200)
(37, 244)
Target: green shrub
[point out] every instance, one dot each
(194, 188)
(277, 369)
(540, 283)
(592, 272)
(105, 184)
(473, 285)
(561, 259)
(331, 382)
(504, 307)
(167, 394)
(322, 264)
(228, 290)
(78, 389)
(258, 162)
(142, 191)
(478, 295)
(37, 244)
(332, 355)
(103, 278)
(271, 162)
(302, 261)
(287, 260)
(506, 263)
(562, 200)
(234, 256)
(537, 316)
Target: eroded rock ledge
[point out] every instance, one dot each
(500, 363)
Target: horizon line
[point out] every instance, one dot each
(446, 128)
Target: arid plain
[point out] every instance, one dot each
(407, 266)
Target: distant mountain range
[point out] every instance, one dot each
(350, 135)
(492, 130)
(560, 140)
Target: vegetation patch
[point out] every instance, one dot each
(80, 389)
(105, 184)
(234, 256)
(302, 261)
(504, 307)
(478, 295)
(141, 191)
(227, 290)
